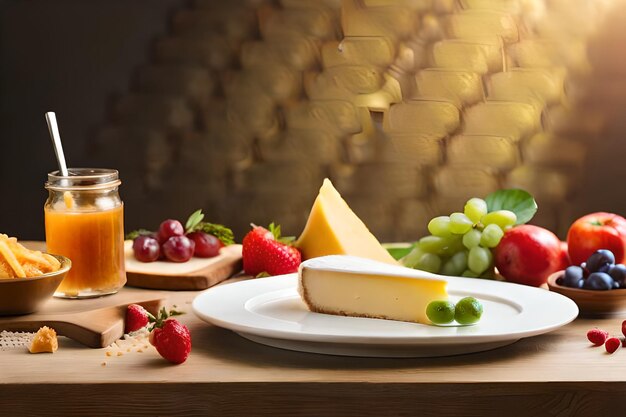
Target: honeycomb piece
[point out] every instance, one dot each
(466, 181)
(254, 113)
(527, 85)
(235, 23)
(505, 119)
(154, 111)
(316, 145)
(461, 87)
(479, 56)
(280, 179)
(481, 23)
(359, 50)
(297, 52)
(336, 116)
(416, 5)
(506, 6)
(408, 148)
(496, 152)
(394, 21)
(547, 149)
(213, 52)
(389, 93)
(358, 79)
(303, 4)
(436, 118)
(388, 181)
(541, 53)
(411, 55)
(45, 340)
(276, 81)
(579, 122)
(543, 183)
(316, 22)
(195, 83)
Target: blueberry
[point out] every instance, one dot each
(618, 273)
(615, 285)
(598, 260)
(572, 275)
(598, 281)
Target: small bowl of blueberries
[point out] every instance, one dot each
(597, 286)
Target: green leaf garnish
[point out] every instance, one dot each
(195, 224)
(193, 220)
(275, 230)
(399, 250)
(518, 201)
(136, 233)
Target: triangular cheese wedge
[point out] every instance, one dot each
(334, 229)
(351, 286)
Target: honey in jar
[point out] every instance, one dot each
(85, 221)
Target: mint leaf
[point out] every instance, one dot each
(518, 201)
(193, 220)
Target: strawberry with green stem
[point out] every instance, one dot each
(265, 252)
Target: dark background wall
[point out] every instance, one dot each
(68, 56)
(73, 56)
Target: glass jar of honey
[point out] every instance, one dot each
(85, 221)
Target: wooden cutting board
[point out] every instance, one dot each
(193, 275)
(95, 322)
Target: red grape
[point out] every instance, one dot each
(207, 246)
(146, 249)
(169, 228)
(178, 248)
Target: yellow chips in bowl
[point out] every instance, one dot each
(18, 262)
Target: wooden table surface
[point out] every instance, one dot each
(554, 374)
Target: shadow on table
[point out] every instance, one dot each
(229, 346)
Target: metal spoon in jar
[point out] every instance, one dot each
(51, 118)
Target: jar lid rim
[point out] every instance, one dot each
(83, 179)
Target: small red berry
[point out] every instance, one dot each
(597, 336)
(612, 344)
(624, 327)
(172, 341)
(136, 318)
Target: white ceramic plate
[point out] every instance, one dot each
(270, 311)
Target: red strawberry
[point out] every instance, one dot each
(264, 251)
(612, 344)
(172, 340)
(136, 318)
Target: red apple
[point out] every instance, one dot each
(597, 231)
(528, 255)
(565, 262)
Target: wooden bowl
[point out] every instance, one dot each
(592, 303)
(26, 295)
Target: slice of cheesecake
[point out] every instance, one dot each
(351, 286)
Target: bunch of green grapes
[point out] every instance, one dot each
(461, 243)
